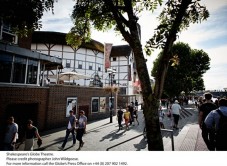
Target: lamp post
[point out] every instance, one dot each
(111, 77)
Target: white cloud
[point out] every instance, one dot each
(59, 21)
(213, 5)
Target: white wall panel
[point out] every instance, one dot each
(68, 49)
(81, 51)
(56, 54)
(80, 57)
(41, 47)
(68, 55)
(57, 47)
(90, 52)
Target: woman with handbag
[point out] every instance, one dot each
(31, 133)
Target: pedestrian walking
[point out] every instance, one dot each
(81, 128)
(204, 110)
(120, 118)
(70, 129)
(216, 121)
(11, 135)
(127, 117)
(136, 104)
(131, 110)
(161, 117)
(135, 116)
(176, 110)
(167, 104)
(31, 133)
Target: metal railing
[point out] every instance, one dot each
(163, 130)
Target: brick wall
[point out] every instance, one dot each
(48, 103)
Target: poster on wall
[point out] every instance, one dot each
(71, 105)
(94, 104)
(102, 104)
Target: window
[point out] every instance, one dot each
(114, 59)
(80, 65)
(19, 70)
(94, 104)
(32, 71)
(90, 66)
(123, 90)
(5, 67)
(99, 67)
(7, 34)
(68, 63)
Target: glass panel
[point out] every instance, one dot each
(19, 70)
(95, 104)
(68, 65)
(32, 71)
(5, 67)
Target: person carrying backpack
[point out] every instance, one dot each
(204, 110)
(217, 120)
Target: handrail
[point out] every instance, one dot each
(172, 141)
(166, 130)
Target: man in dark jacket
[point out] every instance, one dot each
(204, 110)
(212, 122)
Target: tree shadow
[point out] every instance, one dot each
(141, 145)
(115, 134)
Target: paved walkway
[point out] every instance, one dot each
(102, 135)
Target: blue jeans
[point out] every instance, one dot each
(67, 135)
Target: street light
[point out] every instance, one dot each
(111, 77)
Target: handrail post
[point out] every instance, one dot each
(172, 141)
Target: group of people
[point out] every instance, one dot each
(130, 115)
(77, 127)
(11, 136)
(213, 122)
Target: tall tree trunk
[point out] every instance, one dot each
(151, 104)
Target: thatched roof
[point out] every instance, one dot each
(121, 50)
(60, 38)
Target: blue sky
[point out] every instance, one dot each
(210, 36)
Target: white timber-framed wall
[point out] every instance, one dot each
(88, 59)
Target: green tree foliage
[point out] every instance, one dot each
(122, 15)
(24, 15)
(187, 74)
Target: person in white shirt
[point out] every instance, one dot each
(176, 110)
(70, 129)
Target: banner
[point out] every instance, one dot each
(107, 51)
